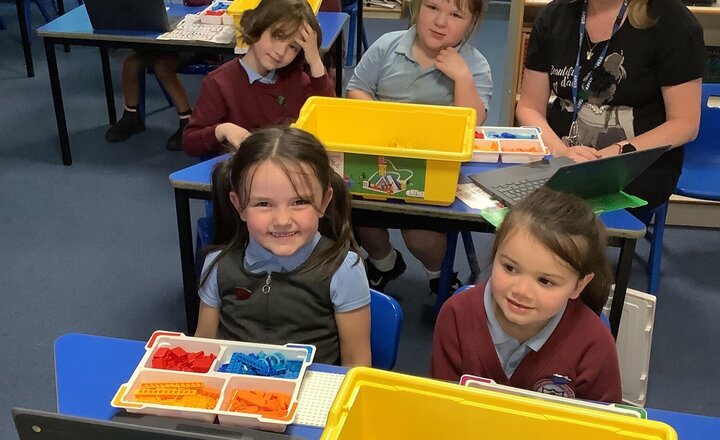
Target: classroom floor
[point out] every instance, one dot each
(93, 248)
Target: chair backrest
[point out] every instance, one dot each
(463, 288)
(387, 318)
(704, 151)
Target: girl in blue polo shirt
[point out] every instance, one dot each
(430, 63)
(281, 269)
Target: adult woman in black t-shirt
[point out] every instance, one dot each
(640, 66)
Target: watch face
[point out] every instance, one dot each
(627, 148)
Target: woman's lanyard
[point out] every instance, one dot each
(573, 137)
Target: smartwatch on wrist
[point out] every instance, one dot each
(627, 148)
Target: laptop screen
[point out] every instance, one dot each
(41, 425)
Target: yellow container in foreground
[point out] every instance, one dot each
(393, 150)
(376, 404)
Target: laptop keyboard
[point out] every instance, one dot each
(520, 189)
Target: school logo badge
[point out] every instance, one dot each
(557, 385)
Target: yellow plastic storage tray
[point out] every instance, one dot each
(236, 10)
(375, 404)
(393, 150)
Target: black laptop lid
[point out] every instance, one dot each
(41, 425)
(603, 176)
(129, 15)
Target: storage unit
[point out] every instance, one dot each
(634, 343)
(381, 404)
(210, 391)
(508, 144)
(389, 150)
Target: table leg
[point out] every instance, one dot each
(27, 49)
(471, 257)
(107, 79)
(339, 65)
(61, 11)
(622, 276)
(57, 101)
(359, 31)
(446, 271)
(187, 259)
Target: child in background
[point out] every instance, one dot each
(164, 65)
(430, 63)
(267, 86)
(282, 269)
(535, 323)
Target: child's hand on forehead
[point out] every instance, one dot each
(306, 37)
(449, 62)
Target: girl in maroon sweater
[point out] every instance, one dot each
(267, 86)
(535, 323)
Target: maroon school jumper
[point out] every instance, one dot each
(227, 96)
(580, 348)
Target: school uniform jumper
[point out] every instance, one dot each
(625, 98)
(268, 299)
(227, 95)
(579, 359)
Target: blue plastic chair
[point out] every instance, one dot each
(385, 327)
(654, 220)
(700, 177)
(352, 11)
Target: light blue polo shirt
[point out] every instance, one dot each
(270, 78)
(389, 72)
(349, 288)
(509, 350)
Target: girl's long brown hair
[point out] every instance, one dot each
(566, 225)
(289, 149)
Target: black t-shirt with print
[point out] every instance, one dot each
(625, 98)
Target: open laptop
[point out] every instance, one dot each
(587, 179)
(41, 425)
(130, 15)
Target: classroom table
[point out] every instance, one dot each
(89, 370)
(74, 28)
(194, 182)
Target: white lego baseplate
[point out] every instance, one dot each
(316, 396)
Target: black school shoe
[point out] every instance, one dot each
(175, 141)
(379, 279)
(128, 125)
(455, 283)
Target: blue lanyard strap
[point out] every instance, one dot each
(577, 103)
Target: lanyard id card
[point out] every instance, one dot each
(579, 96)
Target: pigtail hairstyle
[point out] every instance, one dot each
(282, 18)
(291, 150)
(475, 7)
(566, 225)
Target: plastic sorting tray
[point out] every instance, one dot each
(381, 404)
(508, 144)
(393, 150)
(225, 382)
(216, 13)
